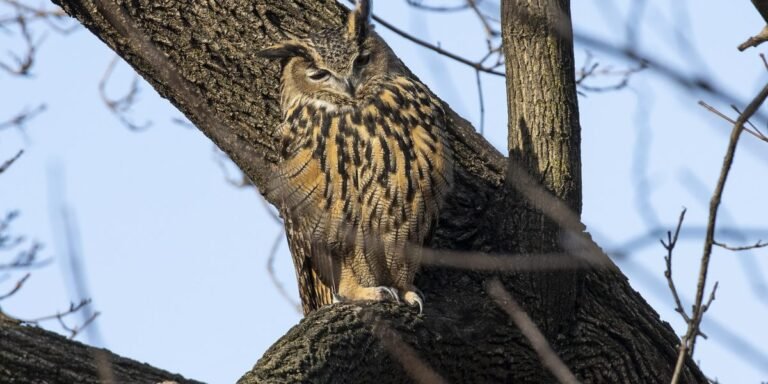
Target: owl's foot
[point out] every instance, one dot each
(414, 298)
(368, 293)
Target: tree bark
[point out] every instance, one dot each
(29, 354)
(201, 56)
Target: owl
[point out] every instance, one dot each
(364, 165)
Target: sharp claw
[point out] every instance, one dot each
(336, 298)
(392, 292)
(419, 293)
(414, 298)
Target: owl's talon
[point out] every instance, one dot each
(413, 298)
(336, 298)
(392, 292)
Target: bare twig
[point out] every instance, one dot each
(489, 30)
(434, 8)
(27, 258)
(122, 105)
(482, 102)
(477, 65)
(273, 276)
(547, 355)
(754, 41)
(222, 160)
(670, 246)
(75, 330)
(59, 316)
(23, 63)
(73, 308)
(15, 288)
(759, 244)
(6, 164)
(752, 131)
(478, 261)
(590, 70)
(22, 118)
(688, 341)
(52, 17)
(24, 259)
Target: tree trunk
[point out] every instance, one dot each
(201, 56)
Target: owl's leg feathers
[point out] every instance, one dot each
(356, 292)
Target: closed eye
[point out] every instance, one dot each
(362, 60)
(318, 75)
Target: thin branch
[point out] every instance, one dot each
(222, 160)
(482, 102)
(478, 261)
(670, 246)
(273, 276)
(75, 330)
(434, 8)
(72, 309)
(22, 118)
(49, 16)
(16, 287)
(26, 259)
(752, 131)
(757, 245)
(59, 316)
(590, 70)
(547, 355)
(23, 63)
(68, 244)
(122, 105)
(699, 307)
(489, 30)
(754, 41)
(6, 164)
(765, 62)
(478, 66)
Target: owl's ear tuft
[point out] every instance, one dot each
(359, 21)
(284, 51)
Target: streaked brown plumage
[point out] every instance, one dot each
(365, 165)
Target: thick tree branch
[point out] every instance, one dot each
(29, 354)
(202, 57)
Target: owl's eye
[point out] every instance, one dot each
(319, 75)
(362, 60)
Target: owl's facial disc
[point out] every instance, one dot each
(328, 79)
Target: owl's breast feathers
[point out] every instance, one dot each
(376, 170)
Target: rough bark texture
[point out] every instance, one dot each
(611, 335)
(544, 140)
(29, 354)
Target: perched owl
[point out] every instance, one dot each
(365, 165)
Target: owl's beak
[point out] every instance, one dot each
(350, 85)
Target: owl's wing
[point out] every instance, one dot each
(298, 186)
(308, 260)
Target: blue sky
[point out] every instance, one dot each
(175, 257)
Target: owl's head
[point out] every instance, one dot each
(333, 65)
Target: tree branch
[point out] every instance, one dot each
(202, 57)
(699, 307)
(29, 354)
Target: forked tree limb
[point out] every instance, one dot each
(203, 59)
